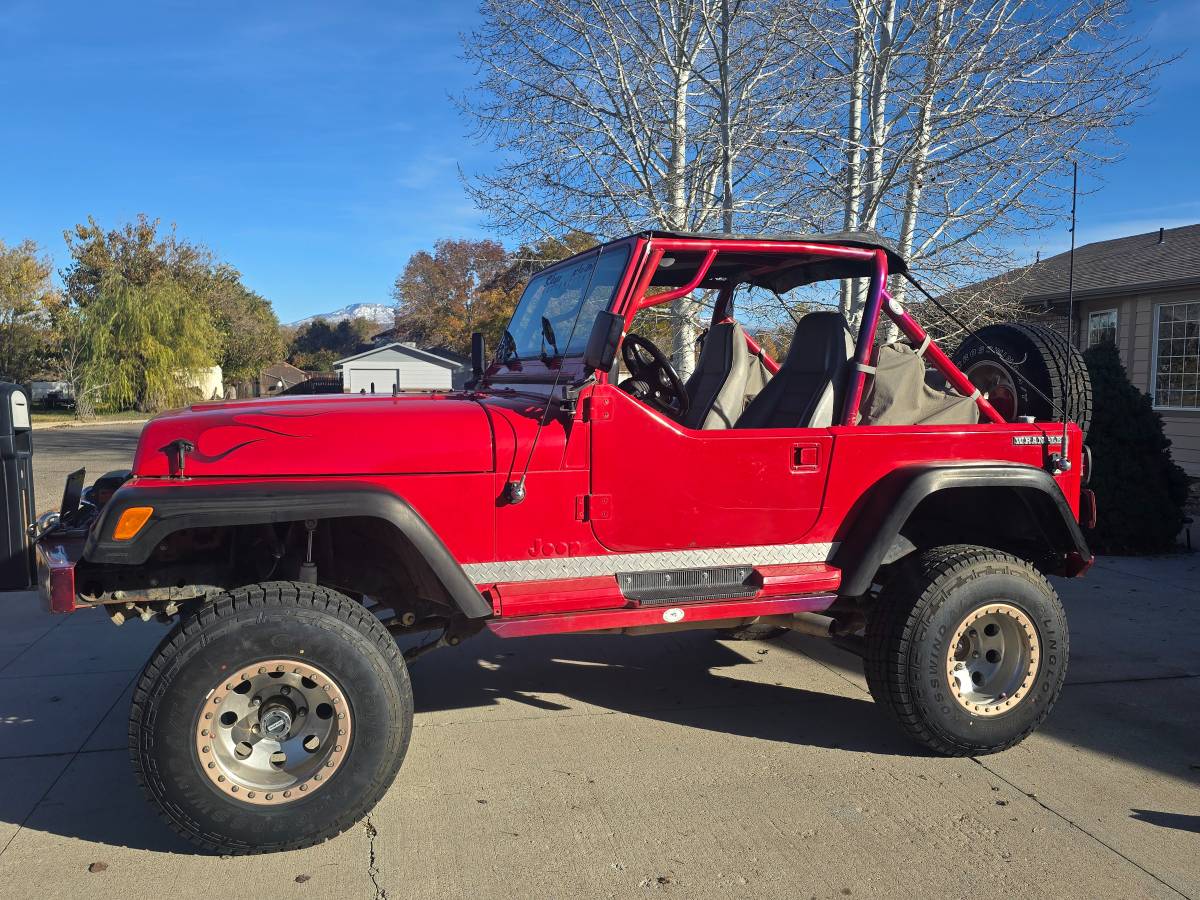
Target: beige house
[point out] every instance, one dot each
(1143, 293)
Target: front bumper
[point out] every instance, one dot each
(56, 559)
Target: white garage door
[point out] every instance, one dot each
(373, 381)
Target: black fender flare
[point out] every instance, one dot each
(887, 506)
(187, 504)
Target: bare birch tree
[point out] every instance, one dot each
(960, 117)
(944, 124)
(619, 116)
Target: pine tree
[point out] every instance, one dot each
(1140, 492)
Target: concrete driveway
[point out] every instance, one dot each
(653, 766)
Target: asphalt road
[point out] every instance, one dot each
(58, 451)
(673, 765)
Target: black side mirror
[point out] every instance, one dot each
(602, 343)
(476, 359)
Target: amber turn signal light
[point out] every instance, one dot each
(131, 522)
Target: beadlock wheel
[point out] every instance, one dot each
(966, 648)
(993, 659)
(271, 718)
(274, 732)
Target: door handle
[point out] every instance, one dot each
(806, 457)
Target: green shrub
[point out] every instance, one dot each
(1140, 492)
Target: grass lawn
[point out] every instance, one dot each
(67, 416)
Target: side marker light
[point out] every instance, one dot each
(131, 522)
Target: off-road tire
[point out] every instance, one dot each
(313, 626)
(908, 641)
(752, 632)
(1045, 358)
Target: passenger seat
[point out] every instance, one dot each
(808, 389)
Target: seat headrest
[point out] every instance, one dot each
(819, 343)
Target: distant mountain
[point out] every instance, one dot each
(379, 313)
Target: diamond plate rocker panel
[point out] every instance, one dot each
(613, 563)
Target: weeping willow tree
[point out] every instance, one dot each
(148, 342)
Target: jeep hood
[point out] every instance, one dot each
(320, 435)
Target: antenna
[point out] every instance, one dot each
(1062, 462)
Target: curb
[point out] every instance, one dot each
(44, 426)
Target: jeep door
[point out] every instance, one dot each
(659, 486)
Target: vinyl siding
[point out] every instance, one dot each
(391, 365)
(407, 374)
(1135, 341)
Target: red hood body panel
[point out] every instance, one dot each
(322, 435)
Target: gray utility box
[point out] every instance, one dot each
(18, 509)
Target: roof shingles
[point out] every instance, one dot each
(1120, 265)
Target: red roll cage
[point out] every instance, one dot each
(647, 255)
(878, 301)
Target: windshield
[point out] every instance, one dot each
(554, 318)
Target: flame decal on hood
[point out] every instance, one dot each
(241, 423)
(322, 435)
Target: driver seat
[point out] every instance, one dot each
(807, 390)
(727, 375)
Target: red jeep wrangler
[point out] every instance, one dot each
(579, 485)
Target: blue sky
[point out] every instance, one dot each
(315, 147)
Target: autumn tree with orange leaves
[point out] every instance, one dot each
(465, 286)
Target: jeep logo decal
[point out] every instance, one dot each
(555, 548)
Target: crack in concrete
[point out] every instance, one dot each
(1134, 680)
(1071, 822)
(1033, 797)
(372, 865)
(1119, 571)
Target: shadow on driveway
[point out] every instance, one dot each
(687, 679)
(1168, 820)
(94, 795)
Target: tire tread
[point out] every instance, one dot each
(893, 631)
(192, 627)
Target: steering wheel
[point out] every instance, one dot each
(653, 379)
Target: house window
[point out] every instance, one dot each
(1177, 356)
(1102, 326)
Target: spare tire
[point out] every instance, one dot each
(1055, 377)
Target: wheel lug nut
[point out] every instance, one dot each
(285, 690)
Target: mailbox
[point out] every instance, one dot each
(16, 483)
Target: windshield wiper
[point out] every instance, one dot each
(507, 351)
(548, 336)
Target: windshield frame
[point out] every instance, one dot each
(569, 366)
